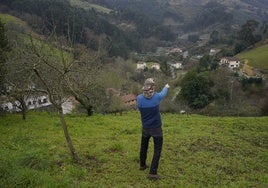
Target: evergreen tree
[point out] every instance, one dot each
(247, 32)
(3, 49)
(196, 89)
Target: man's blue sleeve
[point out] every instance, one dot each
(163, 93)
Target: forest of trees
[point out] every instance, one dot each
(88, 26)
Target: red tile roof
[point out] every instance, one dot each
(129, 97)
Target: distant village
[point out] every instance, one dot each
(232, 63)
(42, 102)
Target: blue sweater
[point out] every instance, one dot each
(149, 109)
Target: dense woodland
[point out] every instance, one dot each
(82, 52)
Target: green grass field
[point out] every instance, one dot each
(87, 5)
(258, 57)
(198, 151)
(8, 18)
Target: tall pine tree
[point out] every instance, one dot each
(3, 49)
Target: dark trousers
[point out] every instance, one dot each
(157, 135)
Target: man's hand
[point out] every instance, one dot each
(167, 86)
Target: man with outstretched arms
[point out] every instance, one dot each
(148, 103)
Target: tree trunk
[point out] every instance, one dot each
(23, 108)
(23, 114)
(67, 136)
(89, 111)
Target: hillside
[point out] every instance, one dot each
(256, 58)
(126, 32)
(186, 11)
(24, 31)
(198, 151)
(239, 7)
(12, 20)
(181, 15)
(130, 24)
(88, 5)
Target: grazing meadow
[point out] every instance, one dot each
(198, 151)
(256, 58)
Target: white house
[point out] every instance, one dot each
(155, 66)
(231, 62)
(36, 102)
(141, 65)
(11, 107)
(32, 102)
(212, 51)
(69, 105)
(176, 65)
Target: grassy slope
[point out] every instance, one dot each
(37, 39)
(257, 57)
(8, 19)
(87, 5)
(198, 152)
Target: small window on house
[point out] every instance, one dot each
(29, 103)
(39, 101)
(44, 100)
(34, 102)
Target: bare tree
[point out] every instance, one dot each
(83, 80)
(18, 79)
(59, 70)
(52, 65)
(66, 71)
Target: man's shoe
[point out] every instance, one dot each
(144, 167)
(153, 176)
